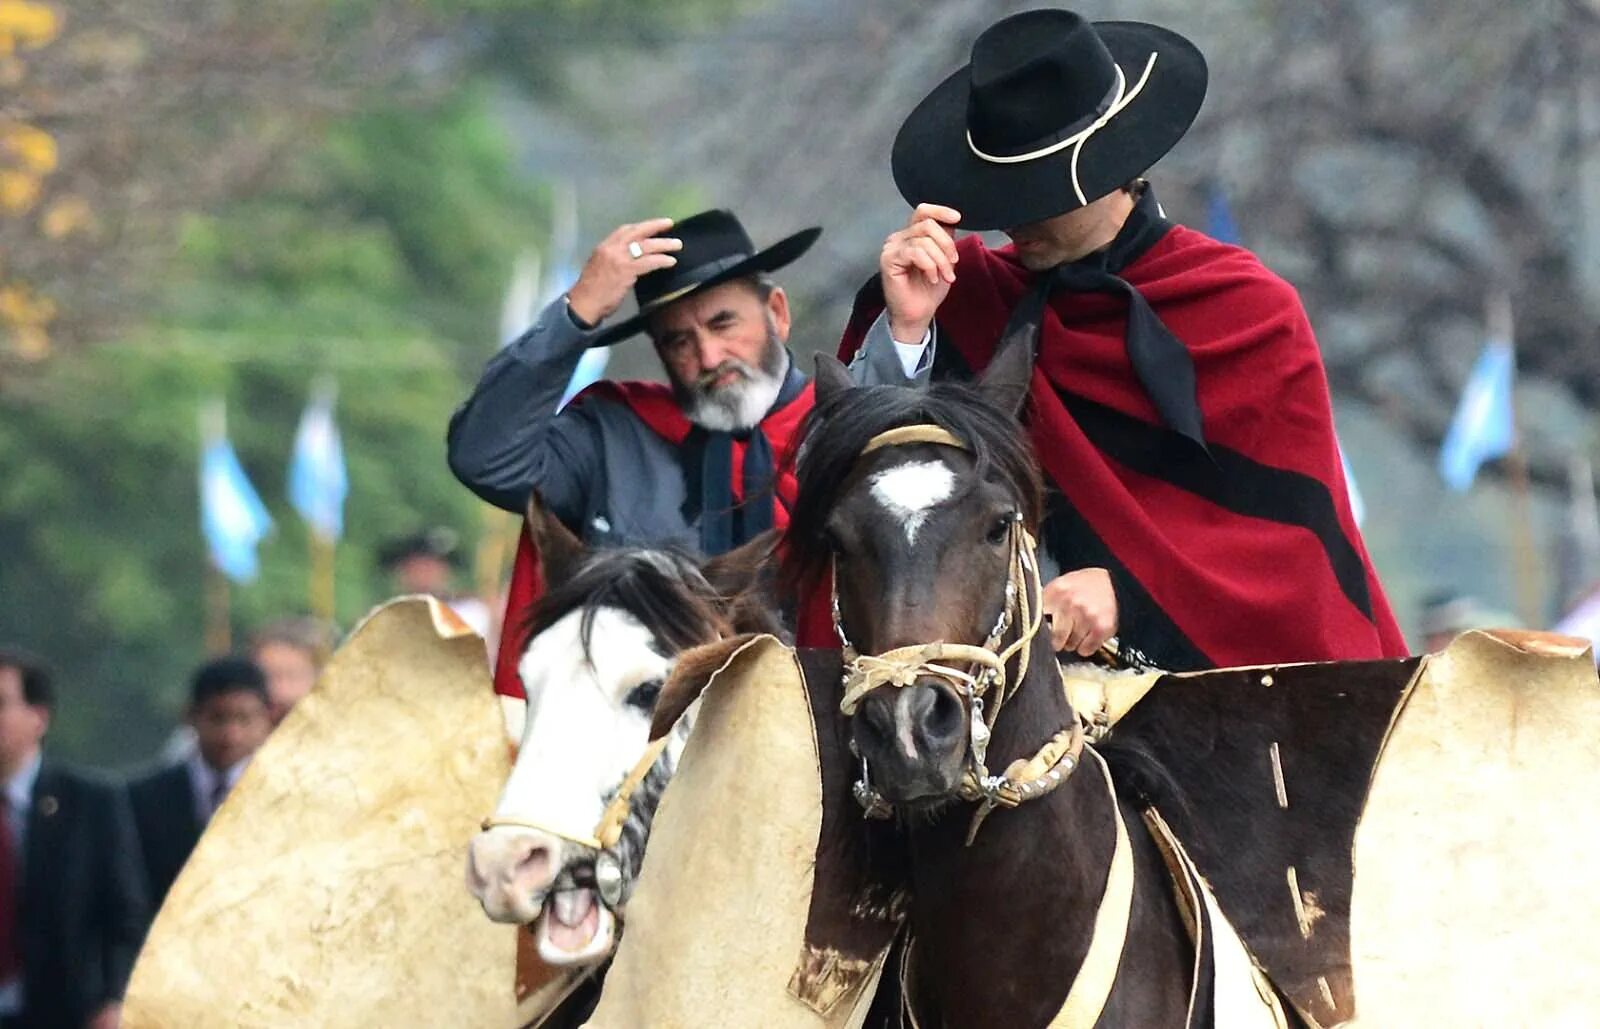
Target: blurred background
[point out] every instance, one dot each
(229, 226)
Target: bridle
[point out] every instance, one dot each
(609, 878)
(984, 676)
(608, 875)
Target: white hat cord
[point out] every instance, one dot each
(1123, 97)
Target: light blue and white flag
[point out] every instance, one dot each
(232, 516)
(1483, 427)
(523, 298)
(1358, 507)
(560, 273)
(591, 369)
(318, 483)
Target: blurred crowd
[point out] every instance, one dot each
(100, 853)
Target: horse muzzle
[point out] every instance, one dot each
(914, 739)
(563, 891)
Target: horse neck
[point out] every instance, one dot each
(1021, 900)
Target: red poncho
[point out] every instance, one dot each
(654, 404)
(1251, 558)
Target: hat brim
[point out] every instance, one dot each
(933, 163)
(769, 260)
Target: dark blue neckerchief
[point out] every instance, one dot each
(708, 476)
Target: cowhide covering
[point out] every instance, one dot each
(327, 890)
(1228, 738)
(858, 902)
(741, 852)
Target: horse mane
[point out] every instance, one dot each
(839, 427)
(663, 589)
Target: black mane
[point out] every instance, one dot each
(839, 427)
(663, 589)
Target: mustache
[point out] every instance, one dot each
(706, 380)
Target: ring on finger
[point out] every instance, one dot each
(635, 251)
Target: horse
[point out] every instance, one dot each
(1038, 895)
(564, 846)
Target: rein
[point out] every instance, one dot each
(984, 675)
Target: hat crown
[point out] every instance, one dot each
(712, 240)
(1036, 76)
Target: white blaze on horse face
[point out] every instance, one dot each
(911, 491)
(582, 736)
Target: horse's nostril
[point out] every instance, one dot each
(534, 863)
(943, 718)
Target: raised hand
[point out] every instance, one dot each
(917, 266)
(612, 268)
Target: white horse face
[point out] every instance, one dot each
(587, 726)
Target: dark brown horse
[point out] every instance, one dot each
(928, 532)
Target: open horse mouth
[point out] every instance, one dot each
(574, 927)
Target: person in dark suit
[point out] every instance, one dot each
(229, 710)
(72, 902)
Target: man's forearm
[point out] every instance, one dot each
(496, 438)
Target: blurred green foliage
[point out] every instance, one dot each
(376, 250)
(379, 258)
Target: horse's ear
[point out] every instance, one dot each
(560, 552)
(832, 377)
(1005, 382)
(746, 581)
(737, 570)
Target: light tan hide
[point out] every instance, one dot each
(1474, 904)
(718, 918)
(328, 889)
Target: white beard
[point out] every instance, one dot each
(742, 405)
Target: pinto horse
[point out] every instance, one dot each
(564, 846)
(921, 508)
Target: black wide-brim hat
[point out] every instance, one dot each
(716, 249)
(997, 140)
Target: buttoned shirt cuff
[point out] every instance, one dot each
(914, 356)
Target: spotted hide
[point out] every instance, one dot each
(1270, 767)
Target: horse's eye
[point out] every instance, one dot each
(1000, 529)
(644, 695)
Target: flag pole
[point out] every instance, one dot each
(321, 585)
(218, 617)
(1524, 545)
(219, 630)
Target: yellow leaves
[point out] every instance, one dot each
(32, 148)
(25, 25)
(27, 155)
(18, 191)
(26, 314)
(65, 217)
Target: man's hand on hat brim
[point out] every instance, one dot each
(611, 270)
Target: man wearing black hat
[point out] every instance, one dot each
(694, 463)
(637, 463)
(1179, 405)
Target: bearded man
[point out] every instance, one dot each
(695, 464)
(1179, 406)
